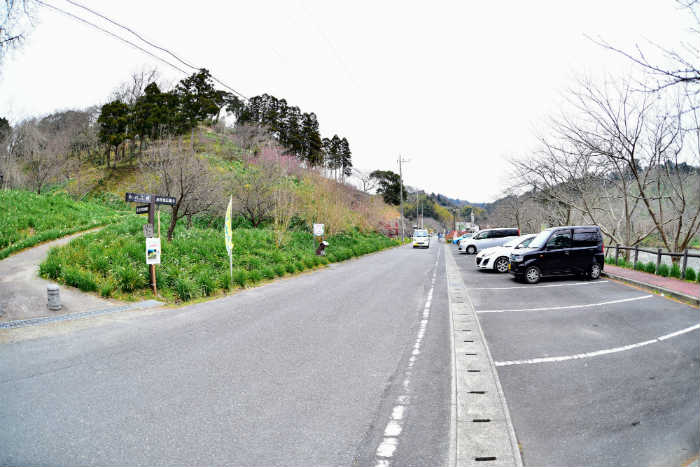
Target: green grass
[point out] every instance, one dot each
(195, 263)
(28, 219)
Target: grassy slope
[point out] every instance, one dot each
(28, 219)
(195, 263)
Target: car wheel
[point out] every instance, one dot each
(594, 272)
(533, 275)
(501, 265)
(471, 249)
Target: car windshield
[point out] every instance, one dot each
(525, 243)
(420, 233)
(540, 239)
(513, 242)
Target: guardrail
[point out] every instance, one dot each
(658, 252)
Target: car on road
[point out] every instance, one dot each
(421, 238)
(560, 251)
(497, 258)
(462, 237)
(487, 238)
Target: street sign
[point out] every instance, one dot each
(169, 200)
(142, 209)
(318, 230)
(137, 198)
(153, 250)
(147, 230)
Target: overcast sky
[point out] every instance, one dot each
(456, 87)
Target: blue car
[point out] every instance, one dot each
(456, 240)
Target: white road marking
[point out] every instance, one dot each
(539, 286)
(598, 352)
(569, 307)
(394, 427)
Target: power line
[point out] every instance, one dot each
(132, 44)
(152, 44)
(82, 20)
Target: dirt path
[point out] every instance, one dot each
(23, 292)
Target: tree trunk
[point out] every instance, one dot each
(173, 221)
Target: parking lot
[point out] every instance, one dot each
(594, 372)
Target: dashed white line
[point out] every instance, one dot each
(394, 427)
(569, 307)
(539, 286)
(598, 352)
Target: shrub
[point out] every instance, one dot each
(254, 276)
(206, 283)
(309, 262)
(51, 268)
(690, 274)
(299, 266)
(225, 280)
(185, 289)
(83, 280)
(129, 279)
(268, 273)
(663, 270)
(279, 270)
(639, 266)
(621, 262)
(650, 267)
(289, 267)
(675, 271)
(106, 289)
(240, 277)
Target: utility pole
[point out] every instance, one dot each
(401, 160)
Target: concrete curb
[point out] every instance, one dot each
(21, 323)
(655, 288)
(482, 428)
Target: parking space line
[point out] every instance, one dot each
(598, 352)
(538, 286)
(569, 307)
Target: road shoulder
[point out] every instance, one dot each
(483, 429)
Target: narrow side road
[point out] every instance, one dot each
(303, 371)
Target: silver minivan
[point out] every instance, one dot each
(487, 238)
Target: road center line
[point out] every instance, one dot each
(538, 286)
(394, 427)
(598, 352)
(569, 307)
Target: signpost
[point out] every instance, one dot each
(152, 244)
(228, 236)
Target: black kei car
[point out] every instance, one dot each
(560, 251)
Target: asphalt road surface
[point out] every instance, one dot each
(302, 372)
(605, 384)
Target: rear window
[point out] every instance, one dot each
(586, 238)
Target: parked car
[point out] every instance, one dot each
(486, 239)
(462, 237)
(421, 238)
(498, 257)
(560, 251)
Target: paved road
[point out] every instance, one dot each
(604, 392)
(23, 292)
(303, 371)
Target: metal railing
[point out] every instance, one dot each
(658, 252)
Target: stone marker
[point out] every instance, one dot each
(54, 299)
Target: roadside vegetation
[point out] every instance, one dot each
(195, 263)
(28, 218)
(664, 270)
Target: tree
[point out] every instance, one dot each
(389, 186)
(113, 122)
(15, 22)
(198, 99)
(345, 158)
(254, 188)
(172, 170)
(684, 67)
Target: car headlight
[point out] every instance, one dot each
(516, 258)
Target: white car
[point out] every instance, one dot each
(486, 239)
(498, 257)
(421, 238)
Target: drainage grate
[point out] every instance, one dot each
(473, 371)
(472, 354)
(470, 340)
(481, 420)
(477, 392)
(486, 458)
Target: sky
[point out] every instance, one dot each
(457, 88)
